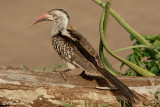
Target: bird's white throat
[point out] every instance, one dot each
(60, 25)
(55, 30)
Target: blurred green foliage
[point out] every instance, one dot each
(144, 57)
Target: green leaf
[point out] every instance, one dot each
(145, 53)
(140, 63)
(124, 104)
(154, 69)
(25, 67)
(156, 43)
(120, 105)
(133, 73)
(138, 53)
(67, 105)
(121, 66)
(86, 102)
(92, 104)
(128, 72)
(150, 64)
(129, 57)
(132, 37)
(152, 37)
(158, 66)
(101, 105)
(107, 106)
(157, 57)
(132, 58)
(60, 66)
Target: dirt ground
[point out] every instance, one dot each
(32, 47)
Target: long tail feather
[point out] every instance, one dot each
(116, 82)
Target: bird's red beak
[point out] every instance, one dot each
(43, 17)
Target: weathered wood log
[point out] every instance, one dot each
(49, 89)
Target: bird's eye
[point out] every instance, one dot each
(55, 16)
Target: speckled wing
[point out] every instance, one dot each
(82, 41)
(72, 51)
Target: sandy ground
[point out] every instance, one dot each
(32, 47)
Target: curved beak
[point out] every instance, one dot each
(43, 17)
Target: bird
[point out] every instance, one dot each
(76, 51)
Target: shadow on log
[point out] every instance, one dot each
(19, 87)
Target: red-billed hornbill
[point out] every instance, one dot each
(74, 48)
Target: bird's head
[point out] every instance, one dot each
(59, 17)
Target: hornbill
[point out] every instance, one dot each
(74, 48)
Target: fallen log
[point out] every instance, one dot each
(19, 87)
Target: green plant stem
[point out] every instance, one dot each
(131, 47)
(104, 60)
(137, 36)
(107, 11)
(138, 69)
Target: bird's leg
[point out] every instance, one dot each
(62, 73)
(64, 77)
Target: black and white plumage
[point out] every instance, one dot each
(74, 48)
